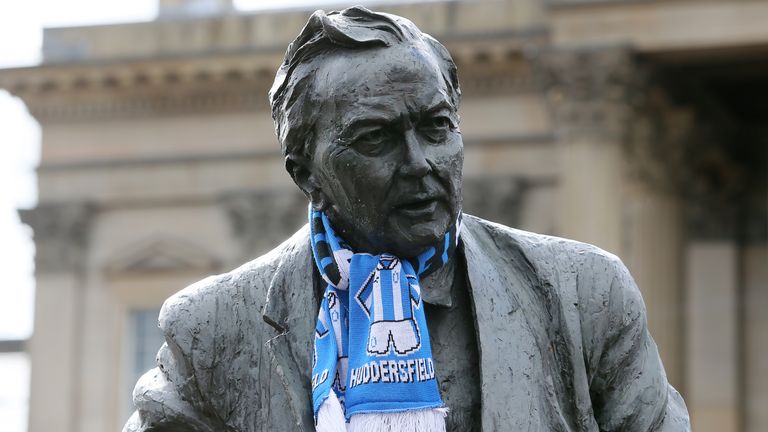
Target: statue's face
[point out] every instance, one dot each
(388, 153)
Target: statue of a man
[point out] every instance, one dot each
(391, 310)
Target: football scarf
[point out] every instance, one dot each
(372, 366)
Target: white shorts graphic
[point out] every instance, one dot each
(403, 336)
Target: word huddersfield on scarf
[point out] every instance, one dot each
(405, 371)
(372, 364)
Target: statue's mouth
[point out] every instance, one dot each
(418, 207)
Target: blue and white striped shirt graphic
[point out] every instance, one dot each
(385, 297)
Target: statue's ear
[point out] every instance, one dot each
(300, 170)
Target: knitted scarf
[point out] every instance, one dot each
(372, 367)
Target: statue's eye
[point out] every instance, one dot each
(441, 122)
(436, 128)
(371, 142)
(375, 135)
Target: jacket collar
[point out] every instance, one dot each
(292, 304)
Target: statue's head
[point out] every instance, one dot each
(365, 109)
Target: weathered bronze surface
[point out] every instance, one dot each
(530, 332)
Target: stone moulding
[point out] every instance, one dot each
(150, 87)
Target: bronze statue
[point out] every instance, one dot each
(527, 332)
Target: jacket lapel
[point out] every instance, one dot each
(291, 308)
(501, 282)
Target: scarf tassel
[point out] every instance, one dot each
(330, 418)
(423, 420)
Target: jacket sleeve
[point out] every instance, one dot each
(168, 398)
(628, 386)
(160, 406)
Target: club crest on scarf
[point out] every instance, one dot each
(372, 350)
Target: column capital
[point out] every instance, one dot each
(260, 220)
(62, 233)
(591, 91)
(505, 207)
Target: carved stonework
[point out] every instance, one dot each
(61, 233)
(485, 73)
(591, 91)
(504, 208)
(141, 90)
(660, 139)
(166, 254)
(260, 220)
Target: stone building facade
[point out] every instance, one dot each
(639, 126)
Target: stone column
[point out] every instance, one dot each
(588, 91)
(597, 97)
(712, 284)
(655, 235)
(755, 278)
(660, 135)
(61, 233)
(726, 301)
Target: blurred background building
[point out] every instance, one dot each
(639, 126)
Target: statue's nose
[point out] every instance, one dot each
(415, 163)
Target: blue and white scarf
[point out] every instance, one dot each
(372, 369)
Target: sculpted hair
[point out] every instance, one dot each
(355, 28)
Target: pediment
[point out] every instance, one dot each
(163, 255)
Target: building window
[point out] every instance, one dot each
(145, 338)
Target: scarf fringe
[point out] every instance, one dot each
(425, 420)
(330, 416)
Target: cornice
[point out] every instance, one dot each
(214, 83)
(52, 78)
(142, 88)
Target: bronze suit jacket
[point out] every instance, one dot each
(561, 329)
